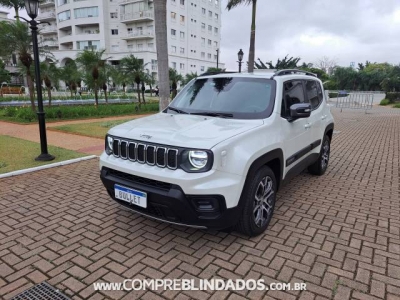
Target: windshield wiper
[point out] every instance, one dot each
(213, 114)
(179, 111)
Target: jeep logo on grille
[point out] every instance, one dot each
(145, 136)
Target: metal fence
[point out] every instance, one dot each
(357, 100)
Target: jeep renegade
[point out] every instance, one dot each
(216, 157)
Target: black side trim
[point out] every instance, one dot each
(302, 152)
(329, 127)
(297, 169)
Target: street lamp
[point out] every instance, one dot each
(240, 58)
(31, 7)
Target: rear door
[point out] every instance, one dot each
(297, 134)
(316, 121)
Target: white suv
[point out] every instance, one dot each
(216, 157)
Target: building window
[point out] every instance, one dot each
(215, 57)
(114, 15)
(202, 68)
(182, 66)
(62, 2)
(140, 47)
(150, 46)
(86, 12)
(114, 31)
(87, 45)
(173, 15)
(173, 49)
(216, 17)
(209, 55)
(203, 26)
(209, 28)
(203, 41)
(210, 13)
(216, 30)
(174, 65)
(173, 32)
(182, 2)
(203, 55)
(65, 15)
(209, 42)
(203, 11)
(182, 35)
(182, 19)
(215, 44)
(182, 51)
(114, 48)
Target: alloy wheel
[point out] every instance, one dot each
(263, 201)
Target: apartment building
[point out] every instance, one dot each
(124, 27)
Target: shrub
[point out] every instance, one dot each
(25, 114)
(397, 105)
(393, 97)
(335, 95)
(384, 102)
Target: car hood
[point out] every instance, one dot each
(183, 130)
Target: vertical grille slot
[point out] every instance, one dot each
(123, 146)
(116, 147)
(160, 157)
(172, 159)
(151, 155)
(132, 151)
(141, 153)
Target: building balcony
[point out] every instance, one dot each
(138, 35)
(48, 30)
(46, 16)
(146, 15)
(50, 43)
(46, 3)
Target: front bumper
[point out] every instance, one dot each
(168, 202)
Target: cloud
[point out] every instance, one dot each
(350, 31)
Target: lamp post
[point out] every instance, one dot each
(240, 58)
(217, 58)
(31, 7)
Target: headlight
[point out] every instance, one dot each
(109, 144)
(198, 159)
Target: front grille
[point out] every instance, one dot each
(146, 153)
(140, 180)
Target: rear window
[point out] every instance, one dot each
(244, 98)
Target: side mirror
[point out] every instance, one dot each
(300, 110)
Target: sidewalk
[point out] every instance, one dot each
(88, 145)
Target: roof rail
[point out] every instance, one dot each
(215, 73)
(293, 71)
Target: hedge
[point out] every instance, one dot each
(393, 97)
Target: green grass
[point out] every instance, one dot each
(396, 105)
(95, 129)
(17, 154)
(128, 96)
(59, 113)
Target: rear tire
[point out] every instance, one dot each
(259, 202)
(320, 166)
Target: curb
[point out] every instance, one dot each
(53, 165)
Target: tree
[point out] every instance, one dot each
(150, 80)
(133, 68)
(117, 77)
(4, 74)
(234, 3)
(326, 64)
(50, 74)
(91, 63)
(175, 78)
(285, 63)
(214, 70)
(189, 77)
(15, 4)
(15, 37)
(71, 76)
(160, 16)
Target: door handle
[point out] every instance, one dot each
(323, 117)
(307, 126)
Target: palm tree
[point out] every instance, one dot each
(189, 77)
(234, 3)
(92, 63)
(175, 78)
(150, 80)
(16, 4)
(160, 16)
(133, 68)
(4, 74)
(50, 75)
(118, 78)
(71, 76)
(15, 37)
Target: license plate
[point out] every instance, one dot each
(130, 195)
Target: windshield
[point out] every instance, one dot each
(231, 97)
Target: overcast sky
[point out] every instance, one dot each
(344, 30)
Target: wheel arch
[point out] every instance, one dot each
(329, 130)
(274, 160)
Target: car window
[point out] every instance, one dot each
(246, 98)
(293, 93)
(313, 94)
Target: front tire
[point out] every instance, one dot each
(320, 166)
(259, 203)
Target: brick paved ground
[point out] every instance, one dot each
(338, 233)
